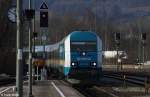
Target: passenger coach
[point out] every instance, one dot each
(79, 56)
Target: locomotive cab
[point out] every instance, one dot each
(77, 56)
(84, 57)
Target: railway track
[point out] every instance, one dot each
(87, 92)
(97, 89)
(107, 91)
(6, 81)
(138, 80)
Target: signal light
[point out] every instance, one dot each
(117, 36)
(43, 19)
(143, 36)
(35, 34)
(30, 13)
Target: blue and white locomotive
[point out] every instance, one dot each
(79, 55)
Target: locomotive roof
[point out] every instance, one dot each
(83, 35)
(74, 36)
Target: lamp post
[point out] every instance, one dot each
(19, 68)
(30, 60)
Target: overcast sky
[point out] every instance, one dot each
(36, 3)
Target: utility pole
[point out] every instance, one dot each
(35, 35)
(19, 67)
(30, 52)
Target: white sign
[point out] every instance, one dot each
(44, 6)
(19, 55)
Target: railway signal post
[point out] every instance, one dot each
(117, 40)
(143, 46)
(29, 15)
(44, 15)
(44, 25)
(35, 35)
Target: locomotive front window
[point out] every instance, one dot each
(83, 46)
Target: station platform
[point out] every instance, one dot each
(47, 88)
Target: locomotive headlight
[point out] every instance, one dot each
(83, 53)
(94, 64)
(72, 63)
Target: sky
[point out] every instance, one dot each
(36, 3)
(110, 9)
